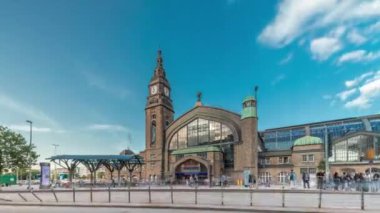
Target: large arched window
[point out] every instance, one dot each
(200, 132)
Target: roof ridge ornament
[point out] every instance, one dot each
(199, 99)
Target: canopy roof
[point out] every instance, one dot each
(196, 149)
(308, 140)
(97, 157)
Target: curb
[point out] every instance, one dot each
(183, 207)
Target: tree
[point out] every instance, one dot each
(321, 165)
(15, 152)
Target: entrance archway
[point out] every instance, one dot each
(191, 170)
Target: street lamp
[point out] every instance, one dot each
(55, 166)
(30, 154)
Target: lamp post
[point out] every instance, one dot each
(55, 165)
(29, 154)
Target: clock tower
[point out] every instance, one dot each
(158, 115)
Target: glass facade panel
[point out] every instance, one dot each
(192, 133)
(318, 131)
(340, 151)
(203, 131)
(297, 133)
(375, 124)
(226, 134)
(215, 131)
(284, 139)
(357, 148)
(182, 138)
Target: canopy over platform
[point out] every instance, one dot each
(130, 158)
(94, 162)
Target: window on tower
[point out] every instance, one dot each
(153, 132)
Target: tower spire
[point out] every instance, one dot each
(159, 71)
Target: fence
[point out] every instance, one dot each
(201, 196)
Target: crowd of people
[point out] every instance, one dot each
(356, 181)
(368, 182)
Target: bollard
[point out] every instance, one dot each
(73, 194)
(196, 195)
(250, 193)
(283, 196)
(91, 194)
(129, 193)
(362, 199)
(171, 193)
(150, 199)
(320, 198)
(109, 194)
(222, 203)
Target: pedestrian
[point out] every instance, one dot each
(306, 179)
(292, 179)
(336, 181)
(320, 176)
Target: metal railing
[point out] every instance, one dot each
(224, 196)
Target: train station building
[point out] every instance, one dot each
(209, 142)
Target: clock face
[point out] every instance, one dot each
(166, 91)
(153, 89)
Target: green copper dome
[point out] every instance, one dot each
(249, 98)
(249, 107)
(307, 140)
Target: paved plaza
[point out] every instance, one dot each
(215, 198)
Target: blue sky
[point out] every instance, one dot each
(79, 69)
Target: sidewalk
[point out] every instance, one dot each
(188, 207)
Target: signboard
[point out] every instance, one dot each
(191, 167)
(246, 175)
(45, 176)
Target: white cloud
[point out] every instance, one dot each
(358, 56)
(373, 28)
(287, 59)
(26, 128)
(107, 127)
(357, 80)
(278, 79)
(100, 83)
(368, 93)
(27, 110)
(327, 97)
(292, 20)
(322, 48)
(356, 38)
(305, 19)
(361, 92)
(346, 94)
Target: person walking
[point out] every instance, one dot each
(292, 179)
(320, 176)
(306, 179)
(336, 181)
